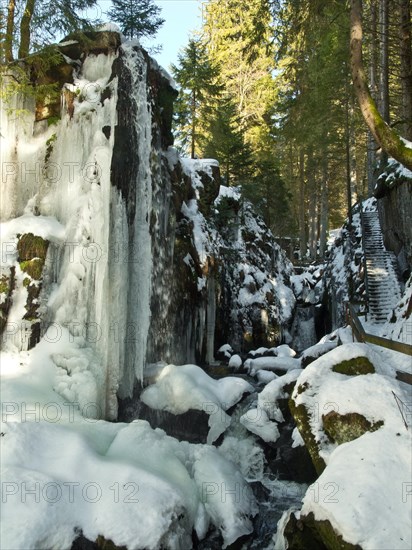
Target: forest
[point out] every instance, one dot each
(205, 277)
(269, 88)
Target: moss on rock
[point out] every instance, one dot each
(105, 544)
(7, 285)
(307, 533)
(355, 366)
(31, 246)
(34, 268)
(302, 419)
(342, 428)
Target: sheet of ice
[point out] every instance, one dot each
(179, 389)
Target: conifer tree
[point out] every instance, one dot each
(225, 142)
(136, 18)
(197, 77)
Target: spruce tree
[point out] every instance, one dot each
(136, 18)
(197, 78)
(225, 142)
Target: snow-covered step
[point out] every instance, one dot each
(383, 282)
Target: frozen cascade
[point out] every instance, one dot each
(125, 282)
(141, 248)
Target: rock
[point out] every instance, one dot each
(82, 543)
(314, 352)
(7, 285)
(302, 419)
(342, 428)
(307, 533)
(192, 426)
(78, 44)
(32, 251)
(31, 246)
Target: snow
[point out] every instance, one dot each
(226, 350)
(269, 396)
(200, 236)
(129, 483)
(297, 439)
(110, 27)
(235, 361)
(179, 389)
(283, 363)
(318, 349)
(257, 422)
(285, 351)
(228, 192)
(265, 376)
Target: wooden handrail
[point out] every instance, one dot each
(363, 336)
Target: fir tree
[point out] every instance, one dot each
(225, 142)
(136, 18)
(197, 77)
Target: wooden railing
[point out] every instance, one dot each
(362, 336)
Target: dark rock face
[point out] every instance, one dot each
(82, 543)
(190, 426)
(395, 209)
(32, 252)
(7, 285)
(125, 161)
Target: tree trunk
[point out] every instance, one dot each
(8, 48)
(348, 166)
(324, 206)
(384, 57)
(25, 29)
(312, 206)
(384, 135)
(302, 225)
(406, 66)
(192, 147)
(372, 147)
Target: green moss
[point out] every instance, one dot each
(52, 120)
(31, 246)
(105, 544)
(34, 268)
(4, 284)
(49, 145)
(354, 367)
(26, 282)
(307, 533)
(342, 428)
(301, 416)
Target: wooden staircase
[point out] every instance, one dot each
(383, 281)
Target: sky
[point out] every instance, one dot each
(181, 17)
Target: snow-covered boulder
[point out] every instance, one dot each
(179, 389)
(346, 411)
